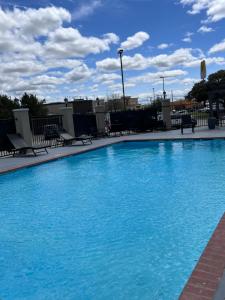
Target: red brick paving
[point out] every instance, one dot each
(205, 279)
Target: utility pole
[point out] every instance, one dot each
(120, 52)
(164, 92)
(153, 89)
(172, 96)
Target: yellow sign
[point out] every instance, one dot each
(203, 70)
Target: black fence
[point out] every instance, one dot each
(201, 118)
(46, 130)
(85, 124)
(199, 112)
(199, 115)
(6, 127)
(135, 121)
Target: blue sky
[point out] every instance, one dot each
(69, 48)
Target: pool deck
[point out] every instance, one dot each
(14, 163)
(207, 281)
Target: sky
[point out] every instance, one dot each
(68, 48)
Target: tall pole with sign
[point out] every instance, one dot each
(203, 70)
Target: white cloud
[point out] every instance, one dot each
(218, 47)
(185, 57)
(117, 86)
(78, 74)
(44, 80)
(135, 41)
(215, 9)
(63, 63)
(37, 53)
(86, 9)
(187, 38)
(22, 68)
(205, 29)
(155, 77)
(33, 22)
(94, 88)
(68, 42)
(163, 46)
(220, 61)
(107, 78)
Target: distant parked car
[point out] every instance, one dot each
(205, 109)
(51, 132)
(182, 112)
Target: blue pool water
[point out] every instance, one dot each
(124, 222)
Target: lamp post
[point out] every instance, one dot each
(153, 89)
(66, 101)
(164, 92)
(120, 52)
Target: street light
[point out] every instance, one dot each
(120, 52)
(164, 92)
(66, 101)
(153, 89)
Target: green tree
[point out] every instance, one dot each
(156, 104)
(215, 82)
(36, 106)
(6, 106)
(199, 92)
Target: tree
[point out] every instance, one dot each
(215, 82)
(199, 92)
(157, 104)
(36, 106)
(6, 106)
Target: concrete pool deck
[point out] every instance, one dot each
(14, 163)
(207, 280)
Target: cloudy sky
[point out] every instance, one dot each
(68, 48)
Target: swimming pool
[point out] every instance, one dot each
(124, 222)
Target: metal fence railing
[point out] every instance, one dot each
(45, 130)
(85, 124)
(197, 112)
(201, 118)
(135, 121)
(6, 127)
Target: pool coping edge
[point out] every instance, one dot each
(206, 278)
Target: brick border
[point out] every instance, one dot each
(205, 279)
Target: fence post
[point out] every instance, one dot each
(22, 122)
(100, 118)
(166, 109)
(67, 119)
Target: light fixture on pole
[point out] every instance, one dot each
(120, 52)
(153, 89)
(66, 101)
(164, 92)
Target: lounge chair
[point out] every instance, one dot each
(69, 139)
(187, 122)
(21, 146)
